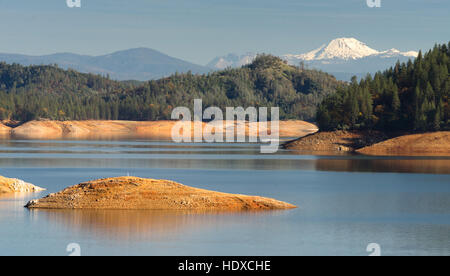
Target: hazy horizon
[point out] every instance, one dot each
(200, 30)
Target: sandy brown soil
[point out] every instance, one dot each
(132, 193)
(337, 141)
(12, 185)
(428, 144)
(123, 129)
(296, 128)
(4, 129)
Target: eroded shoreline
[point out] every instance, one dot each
(136, 129)
(373, 143)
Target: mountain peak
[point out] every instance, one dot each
(133, 64)
(344, 57)
(340, 48)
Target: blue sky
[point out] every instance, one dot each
(199, 30)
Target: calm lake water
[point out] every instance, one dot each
(345, 202)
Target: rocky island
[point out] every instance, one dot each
(12, 185)
(133, 193)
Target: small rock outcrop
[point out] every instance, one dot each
(12, 185)
(135, 193)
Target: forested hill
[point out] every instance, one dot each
(19, 79)
(47, 92)
(411, 96)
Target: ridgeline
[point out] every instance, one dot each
(48, 92)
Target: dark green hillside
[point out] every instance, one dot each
(411, 96)
(50, 79)
(268, 81)
(35, 92)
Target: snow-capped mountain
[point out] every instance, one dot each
(231, 60)
(347, 57)
(343, 57)
(344, 49)
(341, 48)
(394, 53)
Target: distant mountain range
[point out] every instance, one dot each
(342, 57)
(231, 60)
(134, 64)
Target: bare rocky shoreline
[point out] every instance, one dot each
(373, 143)
(336, 141)
(426, 144)
(123, 129)
(310, 142)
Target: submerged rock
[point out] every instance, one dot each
(148, 194)
(12, 185)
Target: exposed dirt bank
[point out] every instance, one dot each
(4, 129)
(148, 194)
(12, 185)
(123, 129)
(336, 141)
(427, 144)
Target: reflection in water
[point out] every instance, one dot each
(140, 225)
(165, 154)
(17, 196)
(310, 163)
(431, 166)
(340, 213)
